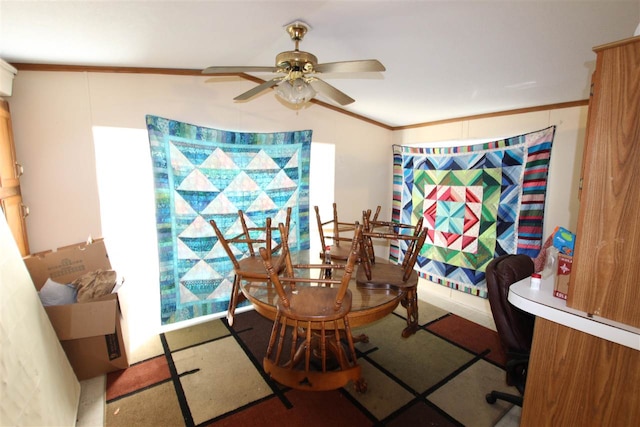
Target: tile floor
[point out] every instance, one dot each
(92, 407)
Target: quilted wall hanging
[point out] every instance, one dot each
(478, 202)
(202, 174)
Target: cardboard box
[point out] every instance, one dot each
(564, 241)
(563, 273)
(90, 332)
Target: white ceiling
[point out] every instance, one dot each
(444, 59)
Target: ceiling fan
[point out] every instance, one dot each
(299, 83)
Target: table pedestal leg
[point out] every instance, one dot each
(336, 352)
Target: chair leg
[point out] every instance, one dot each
(274, 333)
(350, 340)
(410, 302)
(233, 301)
(307, 350)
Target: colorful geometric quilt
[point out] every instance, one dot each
(202, 174)
(478, 202)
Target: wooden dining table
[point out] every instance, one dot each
(368, 305)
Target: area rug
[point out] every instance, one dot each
(202, 174)
(211, 375)
(478, 202)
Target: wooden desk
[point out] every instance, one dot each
(583, 371)
(542, 303)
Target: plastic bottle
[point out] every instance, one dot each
(535, 281)
(327, 260)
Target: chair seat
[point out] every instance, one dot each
(253, 268)
(386, 276)
(315, 303)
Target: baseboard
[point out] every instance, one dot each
(470, 307)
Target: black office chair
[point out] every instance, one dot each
(515, 327)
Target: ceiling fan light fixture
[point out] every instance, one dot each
(300, 69)
(296, 91)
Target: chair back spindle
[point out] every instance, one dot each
(336, 234)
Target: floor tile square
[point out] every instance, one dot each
(420, 361)
(218, 377)
(420, 414)
(137, 376)
(309, 409)
(470, 388)
(470, 335)
(135, 410)
(383, 395)
(196, 334)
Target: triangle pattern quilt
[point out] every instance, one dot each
(202, 174)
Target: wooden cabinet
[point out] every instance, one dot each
(606, 267)
(9, 168)
(15, 211)
(577, 379)
(10, 196)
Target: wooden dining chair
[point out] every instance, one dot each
(312, 322)
(375, 273)
(373, 225)
(338, 239)
(249, 266)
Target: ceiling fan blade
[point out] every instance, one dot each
(238, 69)
(365, 65)
(330, 91)
(256, 90)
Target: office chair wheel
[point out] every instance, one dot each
(495, 395)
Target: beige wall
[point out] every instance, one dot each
(54, 115)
